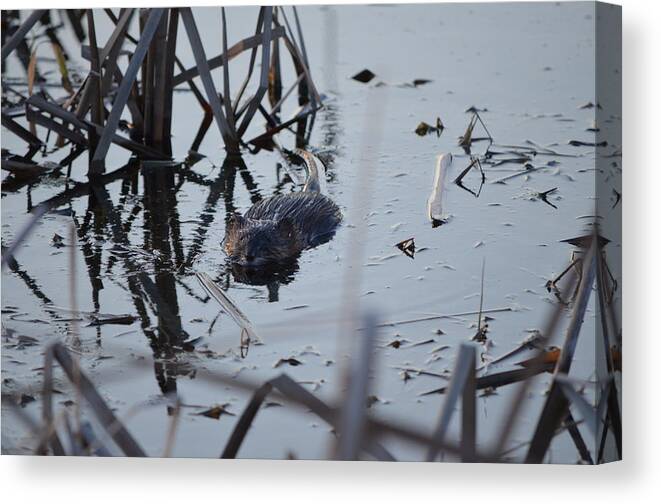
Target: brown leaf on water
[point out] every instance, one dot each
(216, 412)
(364, 76)
(425, 129)
(550, 356)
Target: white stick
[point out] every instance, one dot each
(435, 201)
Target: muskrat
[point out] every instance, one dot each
(277, 229)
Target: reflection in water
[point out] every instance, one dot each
(272, 277)
(161, 226)
(155, 268)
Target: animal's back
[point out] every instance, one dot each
(314, 215)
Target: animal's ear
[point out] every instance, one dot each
(236, 221)
(285, 228)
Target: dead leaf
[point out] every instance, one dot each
(407, 246)
(216, 411)
(364, 76)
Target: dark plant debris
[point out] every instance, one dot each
(425, 129)
(408, 247)
(364, 76)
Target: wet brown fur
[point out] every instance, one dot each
(279, 228)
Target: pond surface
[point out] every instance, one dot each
(528, 69)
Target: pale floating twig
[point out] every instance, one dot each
(435, 201)
(229, 307)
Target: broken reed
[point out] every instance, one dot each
(146, 86)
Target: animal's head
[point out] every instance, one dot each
(255, 243)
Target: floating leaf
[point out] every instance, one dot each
(549, 356)
(407, 246)
(290, 360)
(57, 241)
(424, 129)
(544, 196)
(364, 76)
(216, 412)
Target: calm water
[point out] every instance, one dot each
(530, 66)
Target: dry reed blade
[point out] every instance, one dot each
(20, 34)
(229, 112)
(352, 421)
(18, 130)
(61, 129)
(37, 213)
(108, 55)
(556, 404)
(110, 422)
(74, 20)
(257, 38)
(275, 71)
(229, 136)
(468, 416)
(71, 118)
(232, 52)
(292, 392)
(436, 317)
(503, 378)
(589, 414)
(264, 76)
(479, 315)
(125, 88)
(579, 442)
(245, 421)
(47, 405)
(464, 363)
(90, 441)
(518, 400)
(94, 86)
(466, 140)
(296, 392)
(228, 306)
(609, 327)
(172, 429)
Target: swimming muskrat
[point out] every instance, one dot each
(277, 229)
